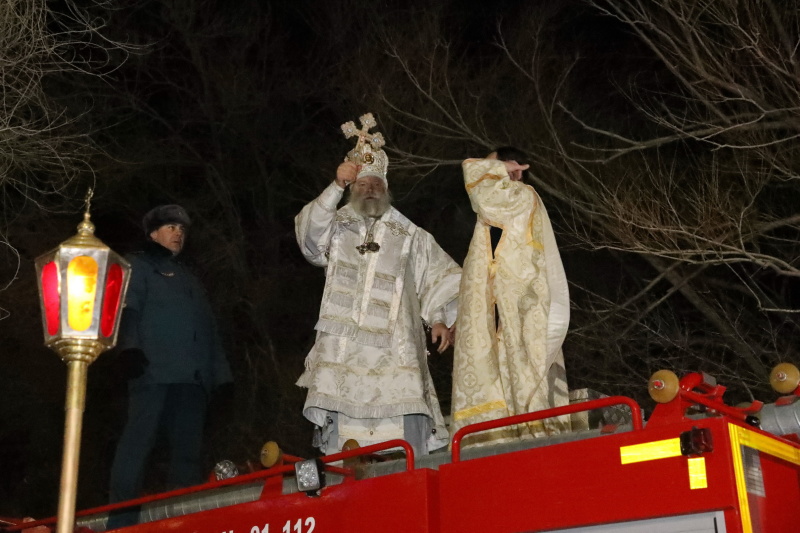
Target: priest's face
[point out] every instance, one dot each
(369, 197)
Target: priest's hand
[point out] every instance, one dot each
(346, 174)
(441, 334)
(515, 170)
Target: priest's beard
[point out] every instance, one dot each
(370, 207)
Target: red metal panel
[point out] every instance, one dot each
(397, 503)
(776, 510)
(584, 483)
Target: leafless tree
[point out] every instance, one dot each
(45, 146)
(716, 211)
(733, 99)
(667, 151)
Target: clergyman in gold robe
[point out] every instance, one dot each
(513, 310)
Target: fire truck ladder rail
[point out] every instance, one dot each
(243, 479)
(636, 418)
(238, 480)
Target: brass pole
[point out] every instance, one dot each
(75, 404)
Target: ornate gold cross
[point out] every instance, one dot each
(375, 140)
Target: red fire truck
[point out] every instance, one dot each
(697, 465)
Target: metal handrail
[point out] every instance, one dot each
(636, 416)
(262, 474)
(367, 450)
(240, 479)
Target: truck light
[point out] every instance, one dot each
(696, 441)
(310, 475)
(225, 469)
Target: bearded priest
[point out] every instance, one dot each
(367, 373)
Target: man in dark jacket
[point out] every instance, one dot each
(168, 339)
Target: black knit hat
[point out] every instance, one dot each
(509, 153)
(165, 214)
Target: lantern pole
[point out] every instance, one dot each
(73, 423)
(78, 354)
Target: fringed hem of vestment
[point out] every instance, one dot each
(360, 336)
(364, 411)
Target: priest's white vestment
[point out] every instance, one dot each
(368, 365)
(514, 366)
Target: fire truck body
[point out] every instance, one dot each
(633, 481)
(743, 480)
(697, 466)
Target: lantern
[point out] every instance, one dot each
(82, 285)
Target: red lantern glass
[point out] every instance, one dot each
(111, 300)
(50, 297)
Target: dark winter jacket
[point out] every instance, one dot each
(168, 318)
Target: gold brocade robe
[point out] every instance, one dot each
(515, 366)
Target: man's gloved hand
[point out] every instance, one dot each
(133, 363)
